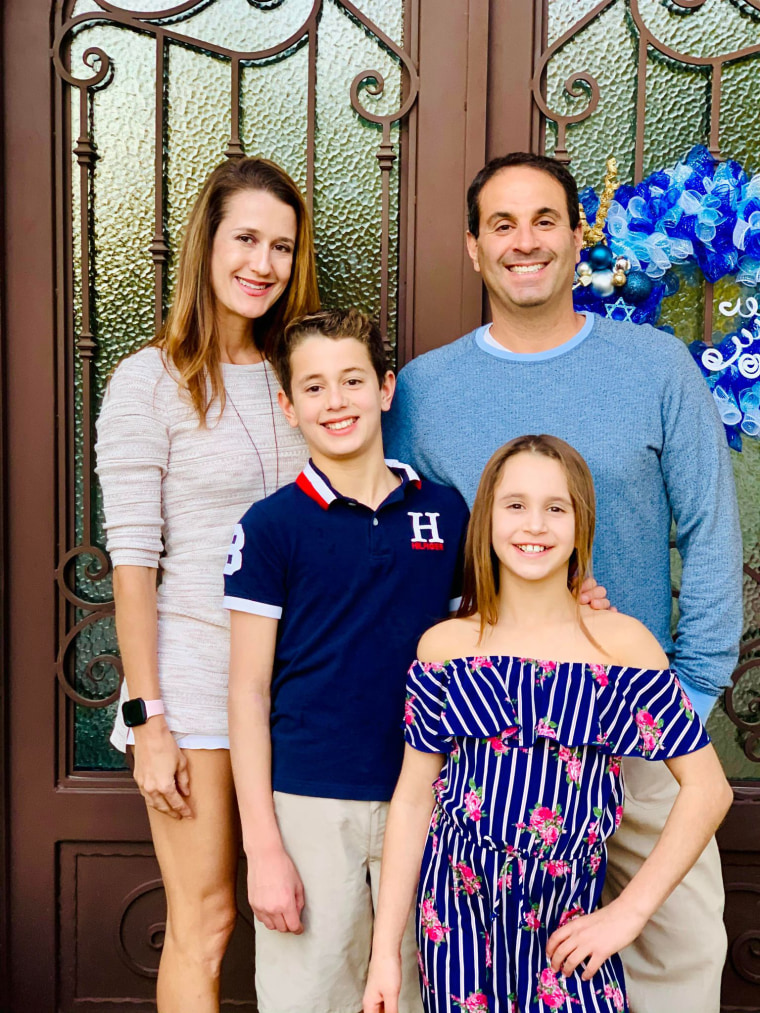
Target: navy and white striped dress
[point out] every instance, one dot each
(530, 791)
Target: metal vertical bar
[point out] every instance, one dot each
(234, 147)
(86, 345)
(386, 157)
(708, 322)
(158, 247)
(641, 97)
(717, 73)
(311, 114)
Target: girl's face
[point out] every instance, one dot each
(533, 521)
(251, 256)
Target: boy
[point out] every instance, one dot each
(331, 581)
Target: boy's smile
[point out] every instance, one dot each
(337, 401)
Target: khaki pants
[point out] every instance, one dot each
(336, 846)
(675, 965)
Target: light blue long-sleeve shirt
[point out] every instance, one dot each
(635, 405)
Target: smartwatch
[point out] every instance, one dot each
(136, 712)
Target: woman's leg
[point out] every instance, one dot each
(198, 860)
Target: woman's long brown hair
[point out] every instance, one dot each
(480, 593)
(189, 336)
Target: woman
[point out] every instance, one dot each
(188, 437)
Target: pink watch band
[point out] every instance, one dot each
(153, 707)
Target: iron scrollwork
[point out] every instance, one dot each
(80, 612)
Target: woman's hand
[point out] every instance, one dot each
(593, 938)
(383, 985)
(161, 769)
(275, 890)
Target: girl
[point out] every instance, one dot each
(529, 718)
(189, 435)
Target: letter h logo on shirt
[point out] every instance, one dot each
(423, 528)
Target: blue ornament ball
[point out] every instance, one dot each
(600, 257)
(637, 289)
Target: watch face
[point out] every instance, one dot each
(133, 712)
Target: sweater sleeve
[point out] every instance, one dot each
(132, 458)
(696, 466)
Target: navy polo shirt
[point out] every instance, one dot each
(353, 590)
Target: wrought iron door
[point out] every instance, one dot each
(383, 110)
(116, 113)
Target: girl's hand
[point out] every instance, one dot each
(275, 891)
(593, 938)
(161, 769)
(383, 985)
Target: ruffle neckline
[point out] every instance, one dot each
(618, 709)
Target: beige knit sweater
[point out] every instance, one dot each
(172, 486)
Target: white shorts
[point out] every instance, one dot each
(336, 846)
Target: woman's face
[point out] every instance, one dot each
(533, 520)
(251, 256)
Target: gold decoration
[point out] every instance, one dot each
(593, 234)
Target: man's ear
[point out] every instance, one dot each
(287, 408)
(578, 239)
(472, 249)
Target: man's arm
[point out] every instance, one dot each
(696, 465)
(275, 891)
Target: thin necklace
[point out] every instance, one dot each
(251, 439)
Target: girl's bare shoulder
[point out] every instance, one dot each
(625, 639)
(453, 638)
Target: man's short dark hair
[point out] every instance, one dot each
(551, 166)
(350, 323)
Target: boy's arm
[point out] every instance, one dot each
(275, 891)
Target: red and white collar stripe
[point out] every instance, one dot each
(411, 474)
(318, 489)
(310, 482)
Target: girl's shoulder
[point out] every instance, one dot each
(624, 639)
(452, 638)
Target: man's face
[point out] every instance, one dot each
(526, 250)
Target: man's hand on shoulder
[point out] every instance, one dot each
(595, 595)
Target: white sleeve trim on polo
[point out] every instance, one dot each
(455, 603)
(255, 608)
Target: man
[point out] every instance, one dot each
(632, 401)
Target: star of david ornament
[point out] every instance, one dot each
(619, 310)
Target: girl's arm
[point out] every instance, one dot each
(405, 835)
(701, 804)
(160, 765)
(275, 891)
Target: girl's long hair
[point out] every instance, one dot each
(481, 565)
(189, 338)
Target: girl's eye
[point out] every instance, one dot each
(281, 248)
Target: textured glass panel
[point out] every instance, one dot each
(347, 211)
(676, 118)
(197, 116)
(611, 129)
(274, 112)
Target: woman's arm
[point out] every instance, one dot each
(160, 766)
(405, 835)
(275, 891)
(701, 804)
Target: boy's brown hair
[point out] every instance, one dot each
(350, 323)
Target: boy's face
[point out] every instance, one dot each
(336, 399)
